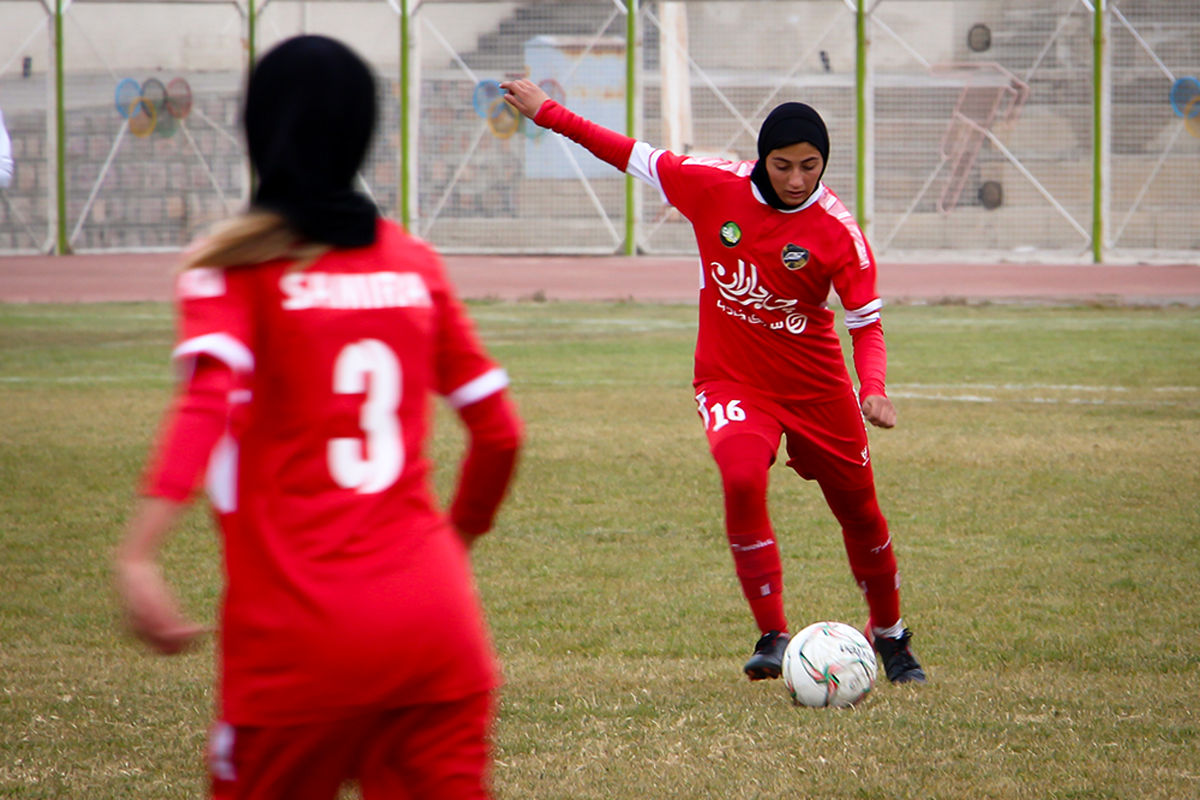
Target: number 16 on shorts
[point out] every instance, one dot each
(717, 415)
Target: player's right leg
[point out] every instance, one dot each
(295, 762)
(743, 438)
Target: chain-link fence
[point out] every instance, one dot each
(1155, 125)
(972, 128)
(25, 224)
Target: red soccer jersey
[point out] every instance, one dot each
(765, 273)
(765, 277)
(346, 587)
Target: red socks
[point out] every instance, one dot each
(743, 462)
(869, 548)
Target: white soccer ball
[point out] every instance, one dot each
(829, 664)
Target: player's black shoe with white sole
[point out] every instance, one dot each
(899, 663)
(767, 661)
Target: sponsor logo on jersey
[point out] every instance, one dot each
(731, 234)
(794, 256)
(337, 290)
(742, 287)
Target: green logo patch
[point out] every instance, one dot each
(731, 234)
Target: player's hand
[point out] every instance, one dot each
(879, 411)
(524, 95)
(150, 608)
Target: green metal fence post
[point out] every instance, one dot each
(251, 35)
(1099, 133)
(862, 207)
(405, 54)
(631, 13)
(63, 246)
(251, 57)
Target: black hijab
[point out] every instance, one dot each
(309, 116)
(788, 124)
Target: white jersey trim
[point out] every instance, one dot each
(220, 346)
(475, 390)
(220, 752)
(221, 478)
(643, 165)
(815, 197)
(842, 215)
(864, 316)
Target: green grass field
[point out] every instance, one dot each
(1043, 488)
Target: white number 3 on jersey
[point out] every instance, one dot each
(373, 463)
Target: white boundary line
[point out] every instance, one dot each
(1045, 386)
(77, 379)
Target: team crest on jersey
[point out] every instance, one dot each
(731, 234)
(794, 256)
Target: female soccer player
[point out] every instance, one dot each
(773, 240)
(312, 333)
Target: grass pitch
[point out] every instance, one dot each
(1042, 487)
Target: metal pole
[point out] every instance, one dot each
(251, 35)
(860, 108)
(60, 134)
(252, 56)
(631, 12)
(1099, 128)
(405, 54)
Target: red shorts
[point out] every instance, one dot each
(438, 750)
(826, 442)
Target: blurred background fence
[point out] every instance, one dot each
(961, 129)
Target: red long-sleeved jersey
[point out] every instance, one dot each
(765, 274)
(308, 402)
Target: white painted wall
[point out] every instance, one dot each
(209, 36)
(206, 36)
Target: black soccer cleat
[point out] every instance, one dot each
(899, 663)
(767, 661)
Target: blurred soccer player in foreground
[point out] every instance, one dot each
(773, 240)
(312, 335)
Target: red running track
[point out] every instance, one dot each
(140, 276)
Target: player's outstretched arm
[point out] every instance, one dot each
(532, 101)
(524, 95)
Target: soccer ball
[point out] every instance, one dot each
(829, 664)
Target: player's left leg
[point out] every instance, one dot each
(869, 550)
(434, 751)
(873, 564)
(828, 443)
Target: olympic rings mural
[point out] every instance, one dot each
(1185, 102)
(152, 107)
(502, 119)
